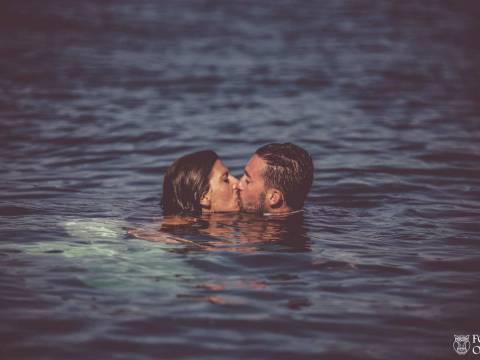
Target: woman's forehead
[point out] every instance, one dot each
(218, 168)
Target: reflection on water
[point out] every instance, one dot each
(229, 232)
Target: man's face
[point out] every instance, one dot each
(252, 185)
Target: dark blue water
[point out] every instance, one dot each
(96, 101)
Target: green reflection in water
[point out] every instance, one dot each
(111, 260)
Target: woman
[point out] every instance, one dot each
(199, 183)
(195, 184)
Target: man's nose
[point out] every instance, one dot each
(234, 181)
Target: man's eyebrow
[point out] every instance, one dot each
(225, 174)
(246, 173)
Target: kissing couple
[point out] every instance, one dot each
(276, 181)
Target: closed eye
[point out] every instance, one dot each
(226, 178)
(246, 175)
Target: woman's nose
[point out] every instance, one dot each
(237, 184)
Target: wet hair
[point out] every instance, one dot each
(289, 169)
(186, 181)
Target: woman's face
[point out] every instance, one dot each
(223, 196)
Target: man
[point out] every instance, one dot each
(276, 180)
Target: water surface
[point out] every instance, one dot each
(96, 101)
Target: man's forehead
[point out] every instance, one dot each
(255, 165)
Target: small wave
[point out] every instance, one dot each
(447, 157)
(467, 264)
(384, 269)
(19, 211)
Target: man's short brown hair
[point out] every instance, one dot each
(289, 169)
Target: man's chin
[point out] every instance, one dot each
(251, 210)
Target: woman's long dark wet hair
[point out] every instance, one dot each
(186, 181)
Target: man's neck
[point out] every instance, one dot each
(283, 213)
(280, 210)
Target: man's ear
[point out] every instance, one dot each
(275, 198)
(206, 200)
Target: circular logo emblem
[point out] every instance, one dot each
(461, 344)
